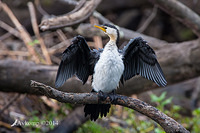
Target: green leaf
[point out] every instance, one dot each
(196, 112)
(167, 101)
(154, 98)
(158, 130)
(34, 42)
(162, 96)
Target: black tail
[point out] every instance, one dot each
(94, 110)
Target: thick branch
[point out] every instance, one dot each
(72, 18)
(167, 123)
(181, 12)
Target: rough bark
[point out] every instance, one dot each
(178, 61)
(71, 18)
(167, 123)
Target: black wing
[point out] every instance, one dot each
(139, 58)
(78, 59)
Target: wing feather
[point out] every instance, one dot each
(140, 59)
(78, 59)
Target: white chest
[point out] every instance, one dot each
(108, 70)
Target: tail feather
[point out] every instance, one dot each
(94, 110)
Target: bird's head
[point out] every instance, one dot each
(110, 30)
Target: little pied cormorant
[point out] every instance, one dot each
(108, 66)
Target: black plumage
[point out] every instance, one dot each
(78, 59)
(140, 59)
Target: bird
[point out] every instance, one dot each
(108, 66)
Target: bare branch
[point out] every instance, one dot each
(148, 20)
(37, 33)
(23, 33)
(72, 18)
(39, 8)
(9, 29)
(167, 123)
(181, 12)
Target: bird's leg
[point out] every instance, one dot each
(113, 97)
(102, 96)
(93, 91)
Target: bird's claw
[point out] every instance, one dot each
(102, 96)
(113, 98)
(123, 98)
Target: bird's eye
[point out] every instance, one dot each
(105, 27)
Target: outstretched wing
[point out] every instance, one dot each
(78, 59)
(139, 58)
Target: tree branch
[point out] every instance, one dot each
(181, 12)
(71, 18)
(37, 33)
(167, 123)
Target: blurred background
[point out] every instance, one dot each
(29, 53)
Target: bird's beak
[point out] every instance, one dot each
(100, 27)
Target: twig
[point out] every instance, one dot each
(57, 47)
(61, 35)
(63, 38)
(97, 39)
(9, 103)
(37, 33)
(148, 20)
(23, 33)
(181, 12)
(9, 52)
(5, 36)
(167, 123)
(10, 29)
(8, 126)
(39, 8)
(78, 5)
(70, 19)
